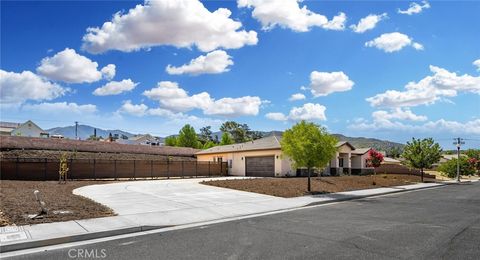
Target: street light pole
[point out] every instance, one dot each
(458, 142)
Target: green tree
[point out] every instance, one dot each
(308, 145)
(394, 152)
(171, 141)
(422, 153)
(449, 168)
(208, 144)
(205, 134)
(226, 139)
(239, 132)
(187, 137)
(93, 138)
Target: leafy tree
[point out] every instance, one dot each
(93, 138)
(422, 154)
(449, 168)
(171, 141)
(208, 144)
(239, 132)
(206, 134)
(256, 135)
(187, 137)
(474, 158)
(394, 152)
(226, 139)
(308, 145)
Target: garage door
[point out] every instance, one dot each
(260, 166)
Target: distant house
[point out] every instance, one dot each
(28, 129)
(264, 158)
(6, 128)
(142, 140)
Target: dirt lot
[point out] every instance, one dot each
(294, 187)
(17, 201)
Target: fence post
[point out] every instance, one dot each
(45, 169)
(183, 174)
(196, 169)
(70, 169)
(115, 169)
(168, 167)
(221, 168)
(16, 168)
(94, 173)
(151, 169)
(134, 168)
(208, 168)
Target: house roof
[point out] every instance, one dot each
(266, 143)
(33, 125)
(345, 143)
(389, 160)
(361, 151)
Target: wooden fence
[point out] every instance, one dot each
(43, 169)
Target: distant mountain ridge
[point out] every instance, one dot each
(85, 131)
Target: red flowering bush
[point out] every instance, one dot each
(374, 159)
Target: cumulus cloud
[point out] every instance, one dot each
(16, 88)
(397, 113)
(115, 88)
(109, 71)
(289, 14)
(297, 96)
(415, 8)
(392, 42)
(132, 109)
(477, 64)
(170, 96)
(308, 112)
(71, 67)
(182, 24)
(325, 83)
(368, 23)
(61, 107)
(428, 90)
(214, 62)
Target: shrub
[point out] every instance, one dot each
(449, 168)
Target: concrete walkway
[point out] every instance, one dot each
(143, 205)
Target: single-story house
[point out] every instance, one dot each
(263, 157)
(145, 139)
(28, 129)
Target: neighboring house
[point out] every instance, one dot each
(141, 139)
(263, 157)
(28, 129)
(6, 128)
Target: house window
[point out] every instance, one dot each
(340, 162)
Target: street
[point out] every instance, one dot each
(439, 223)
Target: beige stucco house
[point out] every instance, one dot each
(29, 129)
(263, 157)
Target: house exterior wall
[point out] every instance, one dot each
(28, 129)
(236, 160)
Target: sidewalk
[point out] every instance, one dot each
(140, 207)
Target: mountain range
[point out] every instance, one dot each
(85, 131)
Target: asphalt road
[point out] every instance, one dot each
(442, 223)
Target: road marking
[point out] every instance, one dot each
(186, 226)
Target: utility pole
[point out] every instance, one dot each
(76, 130)
(458, 142)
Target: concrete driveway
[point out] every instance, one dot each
(180, 201)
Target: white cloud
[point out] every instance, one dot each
(115, 87)
(397, 113)
(289, 14)
(415, 8)
(214, 62)
(325, 83)
(392, 42)
(477, 63)
(276, 116)
(71, 67)
(308, 111)
(16, 88)
(368, 23)
(109, 71)
(172, 97)
(132, 109)
(428, 90)
(297, 96)
(61, 107)
(182, 24)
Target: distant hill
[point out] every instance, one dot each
(363, 142)
(84, 131)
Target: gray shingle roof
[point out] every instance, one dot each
(361, 150)
(266, 143)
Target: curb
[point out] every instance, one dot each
(122, 231)
(354, 197)
(75, 238)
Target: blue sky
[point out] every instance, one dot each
(245, 66)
